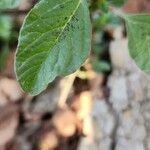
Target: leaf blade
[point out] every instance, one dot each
(59, 45)
(139, 39)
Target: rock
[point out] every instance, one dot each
(129, 96)
(105, 144)
(148, 143)
(103, 119)
(120, 55)
(101, 123)
(135, 85)
(86, 144)
(125, 144)
(118, 92)
(145, 110)
(130, 122)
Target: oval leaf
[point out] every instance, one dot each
(138, 27)
(54, 41)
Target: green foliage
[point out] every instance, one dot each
(3, 56)
(5, 27)
(9, 3)
(117, 3)
(138, 27)
(5, 32)
(54, 41)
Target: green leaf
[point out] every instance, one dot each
(138, 27)
(5, 26)
(9, 3)
(3, 56)
(54, 41)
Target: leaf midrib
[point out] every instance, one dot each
(57, 39)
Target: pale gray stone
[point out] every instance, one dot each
(125, 144)
(118, 92)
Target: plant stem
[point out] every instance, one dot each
(65, 87)
(14, 12)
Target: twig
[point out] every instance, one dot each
(65, 87)
(14, 12)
